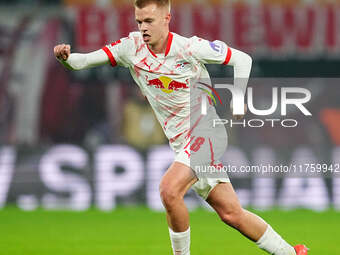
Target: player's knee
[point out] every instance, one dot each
(169, 194)
(233, 217)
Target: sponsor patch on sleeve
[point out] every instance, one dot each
(219, 47)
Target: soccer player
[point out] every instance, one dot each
(168, 68)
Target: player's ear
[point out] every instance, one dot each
(168, 18)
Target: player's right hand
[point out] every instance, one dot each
(62, 51)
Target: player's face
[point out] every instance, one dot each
(153, 22)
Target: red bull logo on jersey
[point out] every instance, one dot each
(167, 85)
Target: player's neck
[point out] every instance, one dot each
(161, 46)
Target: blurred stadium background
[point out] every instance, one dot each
(71, 141)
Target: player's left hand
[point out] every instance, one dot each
(239, 117)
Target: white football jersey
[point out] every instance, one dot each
(168, 80)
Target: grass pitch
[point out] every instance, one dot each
(131, 231)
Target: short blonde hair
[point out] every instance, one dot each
(160, 3)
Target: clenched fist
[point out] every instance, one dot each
(62, 51)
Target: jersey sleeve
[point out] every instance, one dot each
(206, 52)
(119, 52)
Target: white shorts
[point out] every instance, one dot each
(202, 152)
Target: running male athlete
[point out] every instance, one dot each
(168, 69)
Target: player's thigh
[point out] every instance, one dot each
(224, 200)
(178, 179)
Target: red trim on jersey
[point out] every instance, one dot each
(227, 59)
(115, 43)
(109, 54)
(168, 46)
(153, 54)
